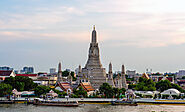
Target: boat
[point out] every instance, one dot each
(122, 102)
(56, 103)
(6, 102)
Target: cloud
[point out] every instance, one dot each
(66, 36)
(143, 23)
(37, 19)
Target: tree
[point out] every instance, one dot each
(5, 89)
(166, 84)
(145, 85)
(131, 86)
(106, 90)
(115, 92)
(163, 85)
(80, 92)
(21, 83)
(39, 90)
(122, 90)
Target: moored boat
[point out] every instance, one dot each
(6, 102)
(56, 103)
(122, 102)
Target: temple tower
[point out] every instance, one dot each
(59, 75)
(110, 76)
(124, 82)
(93, 70)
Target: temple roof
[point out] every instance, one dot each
(86, 86)
(64, 86)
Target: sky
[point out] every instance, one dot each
(137, 33)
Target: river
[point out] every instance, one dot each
(91, 108)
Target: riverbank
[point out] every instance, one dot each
(91, 108)
(142, 101)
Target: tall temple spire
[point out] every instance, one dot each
(110, 76)
(123, 69)
(110, 68)
(59, 77)
(59, 67)
(93, 70)
(94, 35)
(124, 82)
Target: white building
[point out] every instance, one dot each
(131, 74)
(181, 73)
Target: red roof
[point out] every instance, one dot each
(64, 86)
(27, 75)
(5, 73)
(168, 78)
(86, 86)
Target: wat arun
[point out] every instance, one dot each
(93, 71)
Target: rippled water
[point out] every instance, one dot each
(91, 108)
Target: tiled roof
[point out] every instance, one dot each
(167, 78)
(64, 86)
(145, 76)
(5, 73)
(86, 86)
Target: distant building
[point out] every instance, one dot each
(52, 70)
(131, 74)
(5, 68)
(27, 70)
(181, 73)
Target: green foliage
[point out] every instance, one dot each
(60, 94)
(130, 79)
(39, 90)
(145, 85)
(21, 83)
(115, 92)
(73, 76)
(5, 89)
(107, 91)
(163, 85)
(176, 86)
(131, 86)
(80, 92)
(66, 73)
(122, 90)
(166, 84)
(20, 86)
(183, 77)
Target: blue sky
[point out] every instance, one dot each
(140, 34)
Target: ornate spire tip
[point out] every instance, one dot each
(94, 27)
